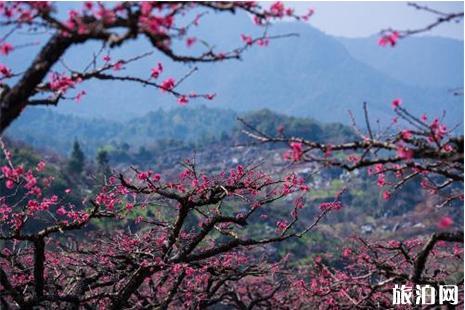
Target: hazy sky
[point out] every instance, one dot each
(356, 19)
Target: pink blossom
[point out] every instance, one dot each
(40, 166)
(79, 95)
(406, 134)
(258, 20)
(448, 148)
(189, 271)
(247, 39)
(299, 203)
(183, 100)
(6, 48)
(394, 243)
(190, 41)
(457, 250)
(167, 84)
(386, 195)
(379, 168)
(177, 268)
(143, 176)
(281, 225)
(289, 11)
(334, 205)
(389, 39)
(156, 177)
(118, 65)
(33, 205)
(61, 82)
(353, 158)
(263, 42)
(88, 5)
(145, 8)
(346, 252)
(156, 71)
(404, 152)
(381, 180)
(9, 184)
(445, 222)
(309, 13)
(295, 153)
(107, 16)
(31, 181)
(277, 9)
(439, 130)
(5, 71)
(396, 103)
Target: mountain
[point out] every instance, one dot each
(185, 127)
(312, 75)
(45, 128)
(423, 61)
(315, 75)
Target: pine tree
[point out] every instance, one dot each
(76, 161)
(102, 158)
(103, 162)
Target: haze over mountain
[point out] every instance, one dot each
(182, 126)
(312, 75)
(421, 61)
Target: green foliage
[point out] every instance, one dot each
(186, 124)
(55, 168)
(77, 159)
(160, 130)
(102, 158)
(270, 122)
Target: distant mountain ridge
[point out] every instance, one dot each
(184, 126)
(45, 128)
(422, 61)
(313, 75)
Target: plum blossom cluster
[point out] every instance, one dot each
(389, 39)
(370, 270)
(5, 72)
(35, 204)
(412, 149)
(22, 13)
(295, 153)
(6, 48)
(187, 250)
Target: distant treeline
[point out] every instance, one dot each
(179, 127)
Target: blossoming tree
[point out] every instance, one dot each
(410, 149)
(189, 251)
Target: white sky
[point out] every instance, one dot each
(361, 19)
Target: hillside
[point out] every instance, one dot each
(183, 126)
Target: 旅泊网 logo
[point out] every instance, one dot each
(425, 295)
